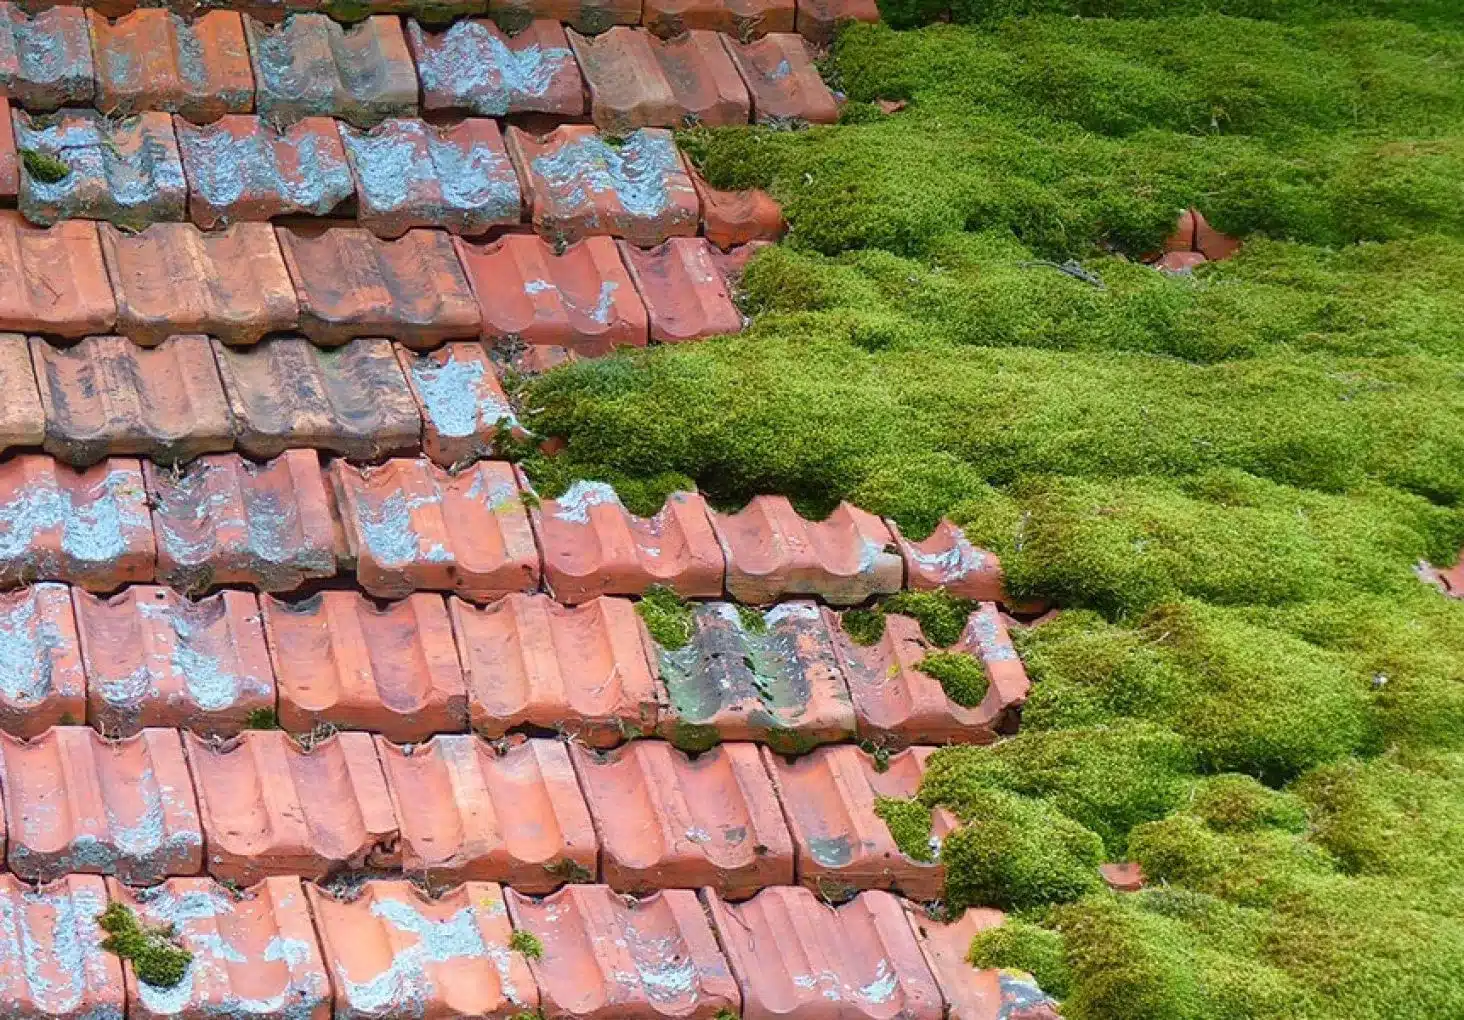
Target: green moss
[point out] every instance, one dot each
(527, 943)
(941, 615)
(864, 626)
(1238, 803)
(44, 167)
(262, 719)
(156, 957)
(909, 825)
(961, 677)
(670, 618)
(752, 619)
(1022, 945)
(571, 871)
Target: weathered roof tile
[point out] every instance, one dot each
(476, 68)
(975, 993)
(743, 19)
(53, 279)
(737, 217)
(463, 407)
(587, 16)
(312, 66)
(685, 293)
(52, 963)
(43, 684)
(46, 57)
(784, 83)
(947, 559)
(818, 20)
(22, 416)
(152, 59)
(637, 80)
(9, 159)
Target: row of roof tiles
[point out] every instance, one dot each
(407, 670)
(532, 814)
(465, 178)
(222, 63)
(287, 950)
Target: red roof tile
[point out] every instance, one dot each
(737, 217)
(152, 59)
(393, 952)
(270, 807)
(745, 19)
(778, 683)
(43, 684)
(351, 283)
(88, 527)
(637, 80)
(583, 15)
(796, 957)
(731, 264)
(340, 660)
(772, 551)
(9, 161)
(253, 951)
(476, 68)
(155, 658)
(53, 280)
(51, 960)
(1209, 242)
(579, 184)
(105, 396)
(227, 520)
(582, 299)
(22, 416)
(971, 993)
(469, 812)
(986, 638)
(46, 57)
(529, 661)
(818, 20)
(829, 797)
(77, 802)
(243, 168)
(606, 956)
(947, 559)
(410, 173)
(665, 820)
(784, 82)
(411, 526)
(312, 66)
(1179, 261)
(128, 171)
(287, 393)
(594, 546)
(462, 405)
(684, 291)
(173, 278)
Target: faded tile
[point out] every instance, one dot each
(463, 407)
(587, 16)
(685, 293)
(947, 559)
(45, 58)
(731, 218)
(976, 993)
(637, 80)
(475, 68)
(785, 85)
(311, 66)
(819, 20)
(9, 159)
(42, 682)
(742, 19)
(152, 59)
(52, 963)
(22, 417)
(53, 279)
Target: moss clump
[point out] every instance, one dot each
(961, 677)
(527, 943)
(262, 719)
(864, 626)
(156, 957)
(941, 615)
(909, 825)
(1024, 946)
(670, 618)
(44, 167)
(1237, 803)
(752, 619)
(571, 871)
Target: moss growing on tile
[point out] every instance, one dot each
(752, 620)
(909, 824)
(262, 719)
(44, 167)
(155, 955)
(527, 943)
(670, 618)
(961, 677)
(571, 871)
(1022, 945)
(941, 615)
(864, 626)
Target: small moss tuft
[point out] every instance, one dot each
(864, 626)
(570, 871)
(156, 957)
(262, 719)
(909, 825)
(942, 616)
(961, 676)
(753, 621)
(1022, 945)
(44, 167)
(526, 942)
(668, 616)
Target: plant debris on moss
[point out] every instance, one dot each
(155, 955)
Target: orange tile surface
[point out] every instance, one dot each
(254, 951)
(53, 280)
(784, 83)
(772, 551)
(271, 807)
(9, 160)
(22, 417)
(733, 263)
(730, 218)
(51, 959)
(79, 803)
(797, 958)
(45, 56)
(818, 20)
(685, 293)
(394, 952)
(947, 559)
(668, 821)
(743, 19)
(105, 396)
(226, 520)
(470, 811)
(638, 80)
(312, 66)
(152, 59)
(583, 15)
(477, 68)
(530, 662)
(411, 526)
(607, 957)
(43, 683)
(462, 405)
(986, 638)
(971, 993)
(594, 546)
(341, 660)
(156, 658)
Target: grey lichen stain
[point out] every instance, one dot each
(49, 941)
(831, 851)
(120, 171)
(574, 505)
(312, 66)
(48, 59)
(93, 526)
(118, 71)
(295, 165)
(28, 644)
(478, 72)
(981, 630)
(386, 525)
(455, 398)
(953, 563)
(638, 173)
(664, 967)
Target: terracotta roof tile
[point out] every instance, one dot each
(469, 812)
(594, 546)
(583, 15)
(784, 83)
(9, 161)
(778, 683)
(352, 400)
(312, 66)
(226, 520)
(128, 171)
(463, 407)
(684, 291)
(637, 80)
(89, 527)
(736, 217)
(254, 951)
(44, 683)
(52, 963)
(733, 263)
(744, 19)
(53, 280)
(973, 993)
(152, 59)
(529, 661)
(270, 807)
(579, 184)
(474, 67)
(22, 416)
(393, 952)
(105, 396)
(340, 660)
(241, 167)
(772, 551)
(582, 300)
(986, 638)
(351, 283)
(77, 802)
(796, 957)
(173, 278)
(829, 797)
(818, 20)
(665, 820)
(46, 57)
(155, 658)
(535, 359)
(947, 559)
(606, 957)
(412, 526)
